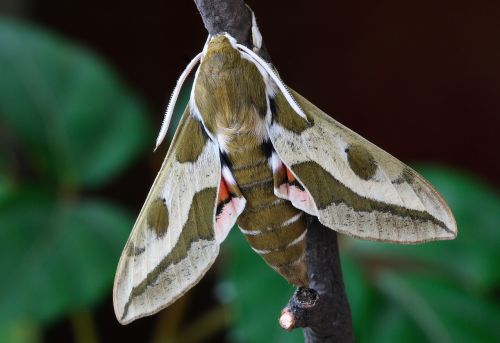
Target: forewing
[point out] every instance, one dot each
(356, 188)
(173, 242)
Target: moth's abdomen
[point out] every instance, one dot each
(274, 228)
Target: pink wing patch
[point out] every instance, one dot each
(230, 204)
(287, 186)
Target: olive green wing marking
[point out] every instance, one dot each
(357, 188)
(173, 242)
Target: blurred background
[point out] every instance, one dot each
(83, 88)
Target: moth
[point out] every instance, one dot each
(249, 151)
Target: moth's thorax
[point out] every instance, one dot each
(230, 94)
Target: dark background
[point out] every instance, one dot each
(421, 79)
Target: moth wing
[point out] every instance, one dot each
(350, 184)
(176, 237)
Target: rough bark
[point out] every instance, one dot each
(231, 16)
(323, 310)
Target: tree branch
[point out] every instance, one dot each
(322, 310)
(231, 16)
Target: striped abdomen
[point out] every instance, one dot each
(274, 228)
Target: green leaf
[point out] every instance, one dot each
(440, 310)
(58, 256)
(415, 305)
(361, 296)
(21, 332)
(75, 121)
(391, 325)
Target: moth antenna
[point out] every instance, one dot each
(256, 35)
(257, 59)
(173, 98)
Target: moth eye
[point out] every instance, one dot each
(157, 217)
(361, 161)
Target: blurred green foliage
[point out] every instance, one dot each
(435, 292)
(67, 126)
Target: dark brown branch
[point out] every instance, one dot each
(326, 318)
(231, 16)
(323, 310)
